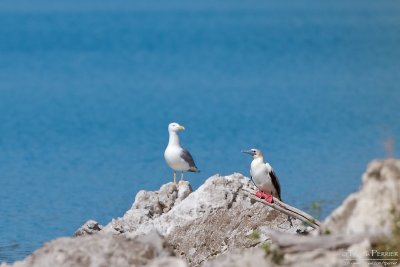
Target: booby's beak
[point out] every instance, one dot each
(248, 152)
(181, 128)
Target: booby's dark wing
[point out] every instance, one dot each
(186, 156)
(275, 182)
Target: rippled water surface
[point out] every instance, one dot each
(87, 90)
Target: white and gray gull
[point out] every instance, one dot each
(263, 176)
(178, 158)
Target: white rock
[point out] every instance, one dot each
(252, 257)
(167, 262)
(370, 209)
(215, 218)
(88, 228)
(94, 251)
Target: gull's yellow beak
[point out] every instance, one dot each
(181, 128)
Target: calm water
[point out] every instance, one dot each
(87, 90)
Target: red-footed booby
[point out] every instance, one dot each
(263, 176)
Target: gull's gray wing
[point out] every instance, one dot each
(186, 156)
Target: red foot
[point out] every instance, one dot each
(267, 197)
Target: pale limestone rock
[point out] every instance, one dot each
(333, 258)
(167, 262)
(252, 257)
(217, 194)
(183, 191)
(370, 209)
(215, 218)
(88, 228)
(95, 251)
(149, 205)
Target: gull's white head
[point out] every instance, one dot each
(256, 153)
(175, 127)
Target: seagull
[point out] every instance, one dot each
(263, 176)
(178, 158)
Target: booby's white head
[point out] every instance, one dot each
(175, 127)
(256, 153)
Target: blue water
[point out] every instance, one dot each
(87, 89)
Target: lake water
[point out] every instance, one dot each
(87, 89)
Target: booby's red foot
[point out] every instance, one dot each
(259, 194)
(267, 197)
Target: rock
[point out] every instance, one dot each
(215, 218)
(330, 257)
(149, 205)
(95, 250)
(217, 194)
(167, 262)
(184, 190)
(369, 209)
(225, 229)
(88, 228)
(252, 257)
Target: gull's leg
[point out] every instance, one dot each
(181, 176)
(174, 177)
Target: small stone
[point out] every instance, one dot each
(88, 228)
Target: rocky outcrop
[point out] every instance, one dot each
(217, 217)
(219, 225)
(226, 219)
(88, 228)
(369, 209)
(250, 257)
(148, 207)
(101, 250)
